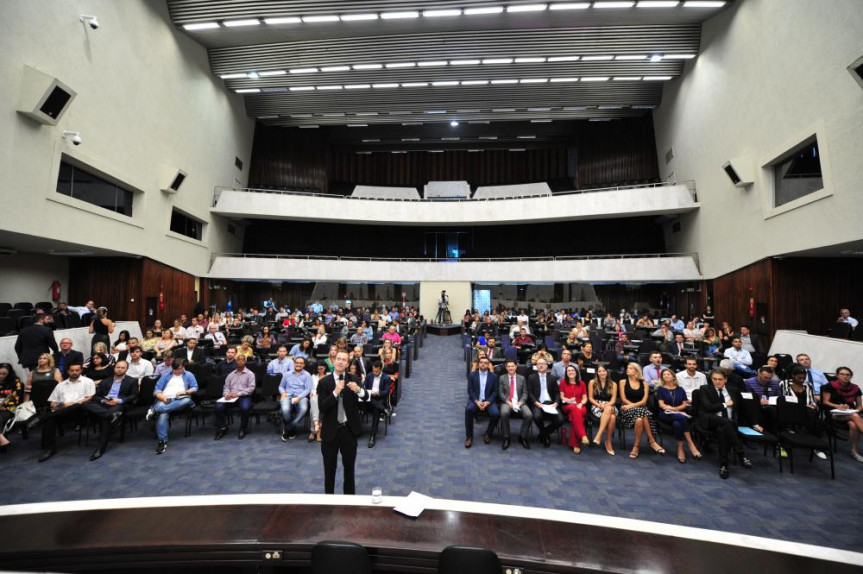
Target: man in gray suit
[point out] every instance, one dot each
(512, 393)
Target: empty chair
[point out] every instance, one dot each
(26, 307)
(7, 326)
(840, 330)
(458, 559)
(73, 321)
(4, 309)
(15, 315)
(25, 322)
(46, 306)
(343, 557)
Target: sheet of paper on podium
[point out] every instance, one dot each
(413, 505)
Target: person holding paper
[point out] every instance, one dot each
(544, 396)
(846, 402)
(172, 395)
(482, 396)
(573, 403)
(765, 389)
(512, 394)
(339, 397)
(672, 410)
(239, 387)
(718, 413)
(602, 394)
(634, 412)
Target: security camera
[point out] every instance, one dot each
(92, 21)
(74, 136)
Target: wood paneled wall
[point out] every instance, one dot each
(732, 293)
(124, 284)
(587, 154)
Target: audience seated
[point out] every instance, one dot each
(690, 378)
(634, 412)
(67, 356)
(740, 357)
(113, 396)
(845, 401)
(573, 403)
(602, 395)
(543, 394)
(513, 397)
(295, 388)
(672, 402)
(377, 385)
(813, 376)
(482, 398)
(138, 367)
(282, 364)
(65, 403)
(12, 393)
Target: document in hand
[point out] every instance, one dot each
(549, 409)
(413, 505)
(678, 413)
(840, 412)
(749, 431)
(224, 400)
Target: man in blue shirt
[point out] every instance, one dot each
(813, 376)
(482, 393)
(282, 364)
(172, 394)
(677, 324)
(295, 388)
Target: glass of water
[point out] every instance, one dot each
(377, 495)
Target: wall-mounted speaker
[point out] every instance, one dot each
(176, 182)
(43, 98)
(739, 172)
(856, 71)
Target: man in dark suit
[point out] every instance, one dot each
(676, 348)
(113, 396)
(363, 364)
(191, 353)
(542, 390)
(718, 413)
(512, 392)
(67, 356)
(34, 340)
(339, 397)
(377, 384)
(482, 393)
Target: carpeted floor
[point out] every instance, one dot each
(424, 451)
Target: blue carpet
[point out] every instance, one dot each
(424, 451)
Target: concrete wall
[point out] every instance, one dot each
(28, 278)
(769, 75)
(603, 204)
(827, 354)
(637, 270)
(147, 105)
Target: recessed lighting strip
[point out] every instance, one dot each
(452, 12)
(651, 56)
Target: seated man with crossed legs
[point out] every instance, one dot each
(239, 387)
(512, 393)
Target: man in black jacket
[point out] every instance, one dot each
(67, 356)
(718, 413)
(113, 396)
(339, 397)
(33, 341)
(543, 390)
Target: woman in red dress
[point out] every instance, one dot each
(573, 399)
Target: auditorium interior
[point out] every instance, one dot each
(467, 197)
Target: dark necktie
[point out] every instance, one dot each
(809, 376)
(343, 417)
(723, 412)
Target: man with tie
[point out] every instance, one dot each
(512, 393)
(113, 396)
(377, 385)
(653, 371)
(491, 351)
(364, 366)
(542, 390)
(718, 414)
(339, 396)
(482, 393)
(813, 376)
(677, 347)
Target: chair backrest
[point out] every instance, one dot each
(270, 386)
(458, 559)
(857, 334)
(45, 306)
(330, 556)
(27, 307)
(25, 322)
(146, 390)
(4, 309)
(790, 414)
(15, 314)
(750, 411)
(7, 326)
(73, 321)
(696, 402)
(840, 330)
(215, 386)
(40, 392)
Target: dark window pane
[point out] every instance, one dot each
(185, 225)
(798, 175)
(79, 184)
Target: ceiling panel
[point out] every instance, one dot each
(303, 99)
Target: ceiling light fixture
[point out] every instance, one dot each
(368, 66)
(358, 17)
(655, 58)
(358, 125)
(304, 71)
(335, 68)
(497, 61)
(502, 82)
(272, 73)
(239, 23)
(310, 126)
(534, 81)
(285, 20)
(357, 86)
(628, 4)
(232, 76)
(248, 91)
(320, 19)
(595, 79)
(474, 82)
(201, 26)
(703, 4)
(333, 87)
(301, 88)
(464, 62)
(527, 8)
(569, 6)
(483, 10)
(631, 57)
(627, 78)
(564, 58)
(441, 13)
(596, 58)
(252, 75)
(529, 60)
(545, 121)
(656, 78)
(412, 123)
(431, 64)
(445, 83)
(401, 65)
(562, 80)
(436, 111)
(679, 56)
(526, 137)
(400, 15)
(392, 85)
(410, 139)
(658, 3)
(415, 85)
(453, 123)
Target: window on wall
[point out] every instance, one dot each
(79, 184)
(798, 174)
(185, 225)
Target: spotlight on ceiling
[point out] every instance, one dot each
(453, 123)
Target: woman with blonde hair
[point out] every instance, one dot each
(44, 374)
(245, 347)
(602, 394)
(634, 411)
